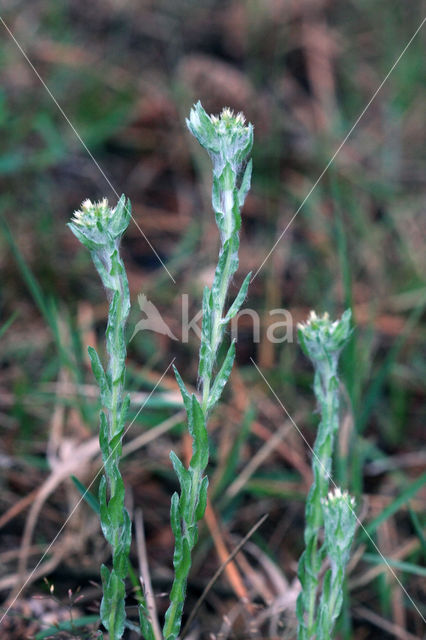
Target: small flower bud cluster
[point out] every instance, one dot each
(226, 138)
(339, 526)
(321, 339)
(93, 214)
(97, 225)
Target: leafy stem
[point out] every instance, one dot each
(99, 228)
(228, 141)
(322, 341)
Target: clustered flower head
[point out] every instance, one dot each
(226, 137)
(228, 120)
(92, 214)
(339, 525)
(338, 496)
(321, 339)
(97, 224)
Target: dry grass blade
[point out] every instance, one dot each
(145, 574)
(383, 624)
(257, 461)
(219, 572)
(76, 459)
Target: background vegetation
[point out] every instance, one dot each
(120, 76)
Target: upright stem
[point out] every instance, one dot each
(99, 227)
(217, 314)
(322, 340)
(114, 517)
(228, 142)
(212, 344)
(327, 395)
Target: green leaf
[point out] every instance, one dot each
(202, 499)
(173, 625)
(300, 613)
(205, 364)
(99, 373)
(104, 441)
(302, 342)
(83, 238)
(200, 448)
(186, 560)
(245, 183)
(121, 551)
(241, 296)
(201, 127)
(91, 500)
(218, 204)
(117, 611)
(391, 508)
(185, 482)
(227, 178)
(175, 522)
(145, 623)
(418, 529)
(106, 603)
(123, 412)
(106, 525)
(408, 567)
(120, 220)
(116, 502)
(116, 264)
(220, 274)
(66, 625)
(236, 215)
(115, 444)
(235, 245)
(222, 377)
(185, 395)
(5, 326)
(102, 271)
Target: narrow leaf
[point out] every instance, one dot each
(123, 412)
(222, 377)
(236, 215)
(241, 296)
(202, 499)
(145, 624)
(245, 183)
(220, 273)
(91, 500)
(66, 625)
(5, 326)
(184, 481)
(107, 528)
(104, 442)
(185, 395)
(99, 373)
(391, 508)
(200, 445)
(116, 503)
(205, 364)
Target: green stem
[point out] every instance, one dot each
(216, 327)
(117, 517)
(229, 143)
(327, 395)
(99, 228)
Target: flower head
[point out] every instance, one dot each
(93, 213)
(338, 496)
(97, 224)
(321, 339)
(339, 525)
(226, 137)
